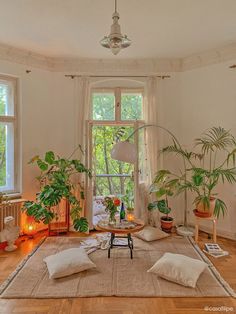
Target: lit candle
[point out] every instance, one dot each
(130, 216)
(30, 226)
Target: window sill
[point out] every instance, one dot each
(13, 196)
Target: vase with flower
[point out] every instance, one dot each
(111, 207)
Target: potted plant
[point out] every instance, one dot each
(164, 185)
(214, 163)
(57, 182)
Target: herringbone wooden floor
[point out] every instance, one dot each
(115, 305)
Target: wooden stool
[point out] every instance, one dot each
(197, 221)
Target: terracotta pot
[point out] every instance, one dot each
(205, 210)
(201, 214)
(166, 223)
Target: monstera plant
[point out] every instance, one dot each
(57, 182)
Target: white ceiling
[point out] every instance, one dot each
(158, 28)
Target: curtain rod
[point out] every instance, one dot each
(118, 76)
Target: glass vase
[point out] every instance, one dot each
(112, 220)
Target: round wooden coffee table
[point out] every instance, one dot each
(120, 233)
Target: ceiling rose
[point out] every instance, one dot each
(115, 40)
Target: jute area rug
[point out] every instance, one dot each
(117, 276)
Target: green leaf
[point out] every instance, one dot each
(225, 174)
(75, 211)
(161, 192)
(153, 205)
(82, 196)
(33, 159)
(175, 149)
(161, 176)
(160, 205)
(51, 195)
(231, 156)
(204, 199)
(38, 211)
(42, 165)
(48, 216)
(81, 224)
(163, 207)
(49, 157)
(215, 138)
(220, 208)
(197, 179)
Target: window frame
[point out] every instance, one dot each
(117, 94)
(13, 119)
(116, 122)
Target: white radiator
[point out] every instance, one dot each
(12, 208)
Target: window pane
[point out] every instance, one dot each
(6, 157)
(112, 176)
(6, 99)
(103, 106)
(131, 106)
(114, 186)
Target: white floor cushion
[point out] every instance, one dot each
(151, 234)
(68, 262)
(179, 268)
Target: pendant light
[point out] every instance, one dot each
(115, 40)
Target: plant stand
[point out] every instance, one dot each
(62, 223)
(211, 219)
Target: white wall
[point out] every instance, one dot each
(195, 101)
(46, 115)
(208, 98)
(169, 117)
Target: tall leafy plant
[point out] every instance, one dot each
(164, 186)
(213, 164)
(56, 180)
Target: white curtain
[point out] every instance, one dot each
(151, 150)
(82, 112)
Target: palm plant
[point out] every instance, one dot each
(56, 180)
(216, 164)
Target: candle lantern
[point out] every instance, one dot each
(130, 216)
(30, 226)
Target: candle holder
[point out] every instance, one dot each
(30, 227)
(130, 216)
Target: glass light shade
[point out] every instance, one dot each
(115, 50)
(115, 45)
(124, 151)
